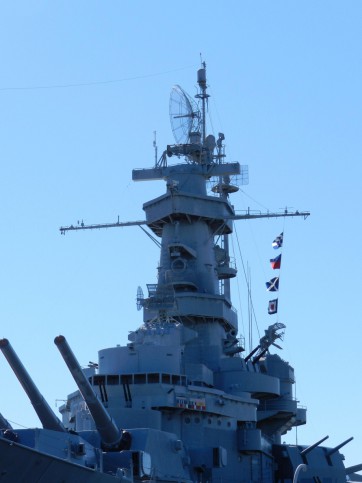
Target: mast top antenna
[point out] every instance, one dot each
(201, 80)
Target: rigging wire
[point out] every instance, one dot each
(211, 122)
(92, 83)
(239, 291)
(250, 317)
(155, 241)
(261, 261)
(17, 424)
(213, 101)
(255, 201)
(247, 282)
(280, 269)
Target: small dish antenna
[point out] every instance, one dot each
(184, 115)
(140, 298)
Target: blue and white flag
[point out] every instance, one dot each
(273, 306)
(278, 242)
(273, 285)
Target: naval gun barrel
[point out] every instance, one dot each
(311, 447)
(353, 469)
(4, 423)
(108, 430)
(337, 448)
(42, 408)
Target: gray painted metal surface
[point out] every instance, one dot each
(180, 402)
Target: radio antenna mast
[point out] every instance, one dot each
(155, 145)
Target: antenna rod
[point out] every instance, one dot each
(201, 80)
(155, 146)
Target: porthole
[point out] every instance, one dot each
(179, 265)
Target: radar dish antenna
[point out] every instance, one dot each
(184, 115)
(140, 298)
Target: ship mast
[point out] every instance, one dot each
(201, 80)
(192, 268)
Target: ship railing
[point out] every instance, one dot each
(241, 341)
(229, 263)
(279, 404)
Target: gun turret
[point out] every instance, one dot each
(110, 434)
(42, 408)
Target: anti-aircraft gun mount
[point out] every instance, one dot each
(271, 335)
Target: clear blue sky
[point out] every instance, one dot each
(285, 80)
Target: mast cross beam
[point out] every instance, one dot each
(82, 226)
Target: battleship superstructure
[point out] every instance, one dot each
(181, 402)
